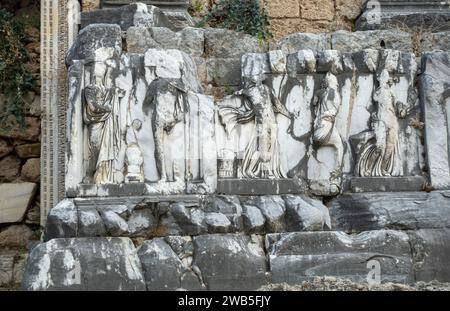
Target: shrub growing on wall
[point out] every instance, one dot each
(15, 80)
(239, 15)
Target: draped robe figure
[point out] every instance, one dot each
(380, 156)
(262, 154)
(325, 132)
(100, 114)
(329, 102)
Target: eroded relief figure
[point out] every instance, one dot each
(262, 154)
(134, 159)
(100, 114)
(325, 132)
(329, 102)
(166, 98)
(380, 155)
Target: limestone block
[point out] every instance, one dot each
(28, 150)
(15, 236)
(303, 61)
(5, 148)
(84, 264)
(166, 270)
(430, 251)
(30, 131)
(141, 222)
(135, 14)
(223, 43)
(189, 40)
(303, 41)
(255, 64)
(286, 26)
(296, 257)
(273, 208)
(90, 222)
(62, 221)
(9, 168)
(228, 206)
(432, 15)
(346, 41)
(435, 98)
(140, 40)
(383, 210)
(350, 9)
(115, 225)
(314, 10)
(15, 200)
(282, 8)
(230, 262)
(31, 171)
(173, 64)
(90, 5)
(92, 38)
(253, 219)
(217, 223)
(306, 214)
(223, 71)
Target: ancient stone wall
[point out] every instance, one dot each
(160, 174)
(290, 16)
(20, 150)
(261, 239)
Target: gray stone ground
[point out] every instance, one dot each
(338, 284)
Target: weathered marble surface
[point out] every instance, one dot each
(153, 216)
(235, 261)
(430, 251)
(329, 130)
(429, 15)
(301, 120)
(386, 184)
(299, 116)
(122, 102)
(15, 200)
(296, 257)
(357, 212)
(174, 11)
(435, 97)
(135, 14)
(84, 264)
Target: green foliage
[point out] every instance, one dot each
(196, 8)
(15, 79)
(239, 15)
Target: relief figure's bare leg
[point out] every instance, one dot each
(158, 134)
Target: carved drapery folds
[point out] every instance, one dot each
(137, 118)
(262, 154)
(379, 151)
(325, 133)
(318, 119)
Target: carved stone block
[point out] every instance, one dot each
(435, 97)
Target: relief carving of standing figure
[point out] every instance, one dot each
(326, 133)
(166, 98)
(380, 156)
(328, 104)
(262, 154)
(100, 114)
